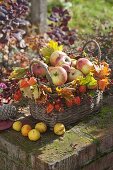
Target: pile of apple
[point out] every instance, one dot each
(64, 69)
(34, 134)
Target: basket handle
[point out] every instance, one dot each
(98, 46)
(48, 76)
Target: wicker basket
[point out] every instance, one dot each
(70, 114)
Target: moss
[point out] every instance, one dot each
(51, 147)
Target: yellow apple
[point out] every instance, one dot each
(59, 129)
(25, 129)
(17, 125)
(41, 127)
(34, 135)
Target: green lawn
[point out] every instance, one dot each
(88, 13)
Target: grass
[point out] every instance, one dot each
(87, 14)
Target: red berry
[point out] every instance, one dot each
(77, 100)
(18, 95)
(69, 103)
(82, 89)
(57, 107)
(49, 108)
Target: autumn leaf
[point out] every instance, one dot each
(24, 83)
(32, 81)
(27, 92)
(102, 71)
(18, 73)
(42, 99)
(17, 95)
(36, 92)
(65, 92)
(103, 83)
(49, 108)
(77, 100)
(69, 103)
(88, 80)
(45, 88)
(55, 46)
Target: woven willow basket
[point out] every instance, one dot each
(70, 114)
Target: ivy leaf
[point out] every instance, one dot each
(18, 73)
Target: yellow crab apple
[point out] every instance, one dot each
(34, 135)
(41, 127)
(59, 129)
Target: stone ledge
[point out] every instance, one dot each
(86, 145)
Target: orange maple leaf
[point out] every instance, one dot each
(102, 84)
(103, 71)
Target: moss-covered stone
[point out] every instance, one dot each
(52, 148)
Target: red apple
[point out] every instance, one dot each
(55, 56)
(58, 75)
(38, 70)
(63, 60)
(66, 67)
(73, 62)
(84, 65)
(74, 74)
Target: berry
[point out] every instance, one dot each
(57, 107)
(82, 89)
(69, 103)
(77, 100)
(18, 95)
